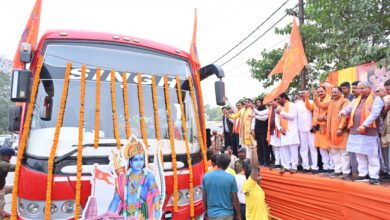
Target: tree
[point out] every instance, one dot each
(213, 114)
(4, 101)
(337, 34)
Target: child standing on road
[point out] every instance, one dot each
(6, 154)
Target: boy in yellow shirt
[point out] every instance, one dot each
(256, 207)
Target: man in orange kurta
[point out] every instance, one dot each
(337, 133)
(320, 110)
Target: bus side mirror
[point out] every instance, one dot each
(46, 109)
(25, 53)
(20, 85)
(14, 117)
(207, 71)
(220, 92)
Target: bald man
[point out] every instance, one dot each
(363, 139)
(380, 91)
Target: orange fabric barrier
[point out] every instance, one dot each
(307, 196)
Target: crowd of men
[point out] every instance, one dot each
(342, 131)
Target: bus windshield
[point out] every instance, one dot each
(131, 61)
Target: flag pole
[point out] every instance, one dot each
(301, 13)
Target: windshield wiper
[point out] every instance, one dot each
(63, 157)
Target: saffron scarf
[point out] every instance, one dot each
(366, 110)
(284, 121)
(333, 121)
(318, 110)
(277, 133)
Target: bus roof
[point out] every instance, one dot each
(111, 38)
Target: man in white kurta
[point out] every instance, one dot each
(288, 126)
(306, 136)
(363, 137)
(273, 134)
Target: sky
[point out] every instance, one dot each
(221, 25)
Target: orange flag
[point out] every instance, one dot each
(193, 50)
(30, 33)
(291, 63)
(331, 81)
(100, 175)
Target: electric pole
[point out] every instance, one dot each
(301, 14)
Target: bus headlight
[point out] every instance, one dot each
(184, 196)
(53, 209)
(68, 207)
(33, 208)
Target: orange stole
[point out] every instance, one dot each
(366, 110)
(284, 121)
(320, 109)
(334, 123)
(277, 133)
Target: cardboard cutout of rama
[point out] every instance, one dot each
(129, 189)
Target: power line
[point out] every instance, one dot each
(254, 40)
(235, 46)
(258, 54)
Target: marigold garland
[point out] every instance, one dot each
(141, 110)
(172, 143)
(25, 132)
(80, 144)
(201, 142)
(126, 106)
(113, 104)
(53, 149)
(184, 125)
(97, 110)
(199, 86)
(156, 118)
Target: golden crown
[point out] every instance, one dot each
(132, 148)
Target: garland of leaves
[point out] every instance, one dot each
(184, 125)
(172, 143)
(201, 142)
(126, 106)
(113, 103)
(26, 130)
(53, 150)
(80, 144)
(97, 109)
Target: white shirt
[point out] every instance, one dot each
(305, 117)
(291, 137)
(240, 179)
(260, 115)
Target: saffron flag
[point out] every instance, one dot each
(30, 33)
(193, 50)
(100, 175)
(196, 66)
(291, 63)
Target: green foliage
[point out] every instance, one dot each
(213, 114)
(337, 34)
(4, 101)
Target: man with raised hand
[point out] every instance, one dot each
(308, 151)
(256, 207)
(320, 109)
